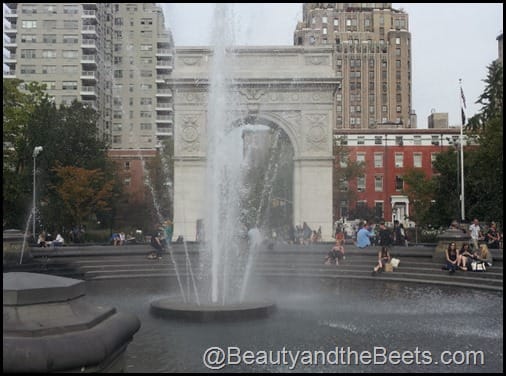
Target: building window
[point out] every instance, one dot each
(28, 69)
(127, 165)
(435, 140)
(29, 38)
(378, 183)
(361, 183)
(50, 85)
(28, 54)
(378, 140)
(48, 69)
(70, 54)
(378, 160)
(70, 9)
(399, 141)
(70, 24)
(399, 160)
(69, 68)
(49, 54)
(397, 40)
(417, 140)
(399, 183)
(417, 160)
(29, 24)
(343, 208)
(69, 85)
(360, 157)
(378, 209)
(361, 140)
(343, 185)
(433, 157)
(116, 139)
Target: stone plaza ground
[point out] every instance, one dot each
(328, 318)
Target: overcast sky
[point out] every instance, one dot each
(449, 42)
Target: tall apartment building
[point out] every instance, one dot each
(114, 57)
(373, 60)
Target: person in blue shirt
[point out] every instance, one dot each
(363, 236)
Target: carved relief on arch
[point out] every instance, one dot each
(190, 134)
(251, 93)
(192, 60)
(316, 134)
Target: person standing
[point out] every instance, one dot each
(493, 236)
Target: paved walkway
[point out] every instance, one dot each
(94, 262)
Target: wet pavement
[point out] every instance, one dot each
(320, 325)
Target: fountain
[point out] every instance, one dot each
(226, 227)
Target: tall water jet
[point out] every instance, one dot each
(225, 244)
(221, 217)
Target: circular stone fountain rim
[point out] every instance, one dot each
(212, 312)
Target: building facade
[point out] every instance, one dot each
(373, 60)
(387, 155)
(114, 57)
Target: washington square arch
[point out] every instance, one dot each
(291, 89)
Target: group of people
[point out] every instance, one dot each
(46, 240)
(463, 258)
(492, 237)
(118, 238)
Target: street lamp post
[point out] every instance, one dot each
(36, 152)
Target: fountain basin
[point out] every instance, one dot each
(168, 308)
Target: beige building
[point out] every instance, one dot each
(114, 57)
(373, 60)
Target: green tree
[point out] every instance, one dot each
(19, 107)
(421, 193)
(69, 137)
(483, 164)
(344, 171)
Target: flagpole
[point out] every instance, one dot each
(463, 106)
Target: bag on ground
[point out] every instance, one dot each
(478, 266)
(395, 262)
(389, 267)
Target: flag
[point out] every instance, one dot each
(463, 98)
(463, 106)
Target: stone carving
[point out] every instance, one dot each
(252, 93)
(315, 135)
(317, 60)
(190, 134)
(192, 60)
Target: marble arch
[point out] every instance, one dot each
(293, 88)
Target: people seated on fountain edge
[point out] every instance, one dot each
(41, 241)
(58, 241)
(156, 243)
(384, 257)
(363, 236)
(483, 254)
(451, 258)
(336, 254)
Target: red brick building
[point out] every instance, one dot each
(388, 154)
